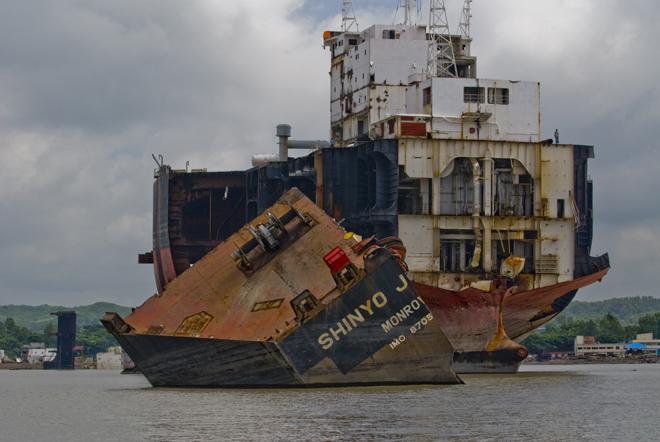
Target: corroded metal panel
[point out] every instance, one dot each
(216, 285)
(193, 325)
(297, 304)
(162, 254)
(428, 158)
(527, 310)
(472, 321)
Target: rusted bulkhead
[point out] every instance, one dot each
(289, 299)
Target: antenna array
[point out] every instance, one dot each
(348, 19)
(441, 58)
(466, 15)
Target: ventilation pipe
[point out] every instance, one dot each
(259, 159)
(283, 132)
(476, 210)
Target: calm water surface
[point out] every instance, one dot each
(553, 403)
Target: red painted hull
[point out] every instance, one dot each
(472, 321)
(482, 325)
(528, 310)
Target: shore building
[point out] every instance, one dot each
(587, 345)
(652, 345)
(109, 360)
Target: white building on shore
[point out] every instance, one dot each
(587, 345)
(110, 360)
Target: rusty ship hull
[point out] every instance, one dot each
(473, 322)
(363, 186)
(486, 327)
(288, 300)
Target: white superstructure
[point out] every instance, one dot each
(369, 75)
(477, 183)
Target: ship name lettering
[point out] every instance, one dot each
(350, 321)
(421, 323)
(397, 341)
(404, 284)
(402, 314)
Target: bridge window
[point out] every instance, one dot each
(473, 94)
(498, 95)
(426, 96)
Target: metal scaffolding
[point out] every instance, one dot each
(466, 15)
(348, 17)
(441, 58)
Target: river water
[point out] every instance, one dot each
(553, 403)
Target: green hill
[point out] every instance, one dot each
(36, 317)
(628, 310)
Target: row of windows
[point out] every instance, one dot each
(389, 34)
(496, 95)
(609, 347)
(351, 42)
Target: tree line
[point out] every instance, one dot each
(627, 310)
(93, 338)
(560, 334)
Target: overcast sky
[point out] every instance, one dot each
(90, 89)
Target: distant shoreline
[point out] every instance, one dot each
(20, 366)
(612, 361)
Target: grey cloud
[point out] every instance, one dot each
(89, 89)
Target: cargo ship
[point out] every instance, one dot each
(290, 299)
(497, 221)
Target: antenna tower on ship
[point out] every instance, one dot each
(441, 59)
(348, 17)
(466, 15)
(409, 11)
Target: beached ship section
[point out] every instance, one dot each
(497, 221)
(289, 299)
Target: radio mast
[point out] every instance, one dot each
(410, 12)
(348, 17)
(466, 15)
(441, 59)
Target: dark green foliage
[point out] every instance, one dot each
(13, 337)
(650, 324)
(95, 339)
(37, 317)
(22, 324)
(610, 329)
(626, 309)
(560, 335)
(613, 320)
(50, 334)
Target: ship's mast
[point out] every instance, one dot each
(348, 17)
(410, 12)
(441, 59)
(466, 15)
